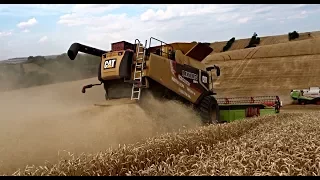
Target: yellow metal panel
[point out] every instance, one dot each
(108, 73)
(160, 70)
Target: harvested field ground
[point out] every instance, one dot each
(293, 108)
(254, 72)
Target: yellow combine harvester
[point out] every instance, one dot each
(173, 71)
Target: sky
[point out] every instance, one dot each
(50, 29)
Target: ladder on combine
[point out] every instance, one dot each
(138, 70)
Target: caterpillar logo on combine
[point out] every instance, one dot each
(110, 63)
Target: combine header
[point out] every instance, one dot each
(241, 107)
(170, 71)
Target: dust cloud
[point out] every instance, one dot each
(42, 123)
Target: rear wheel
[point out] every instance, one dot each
(209, 110)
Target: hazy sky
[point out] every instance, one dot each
(29, 30)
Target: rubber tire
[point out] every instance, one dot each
(207, 107)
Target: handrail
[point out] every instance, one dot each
(161, 42)
(136, 41)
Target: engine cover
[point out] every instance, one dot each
(116, 65)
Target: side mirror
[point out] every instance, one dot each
(218, 70)
(214, 67)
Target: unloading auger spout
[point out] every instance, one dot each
(73, 52)
(76, 47)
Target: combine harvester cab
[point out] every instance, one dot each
(306, 96)
(174, 71)
(236, 108)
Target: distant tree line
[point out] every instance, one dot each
(254, 41)
(228, 45)
(38, 70)
(293, 35)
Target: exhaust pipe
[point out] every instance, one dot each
(76, 47)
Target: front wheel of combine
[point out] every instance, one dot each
(209, 110)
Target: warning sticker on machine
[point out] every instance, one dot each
(204, 79)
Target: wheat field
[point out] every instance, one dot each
(285, 144)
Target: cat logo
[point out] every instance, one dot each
(110, 63)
